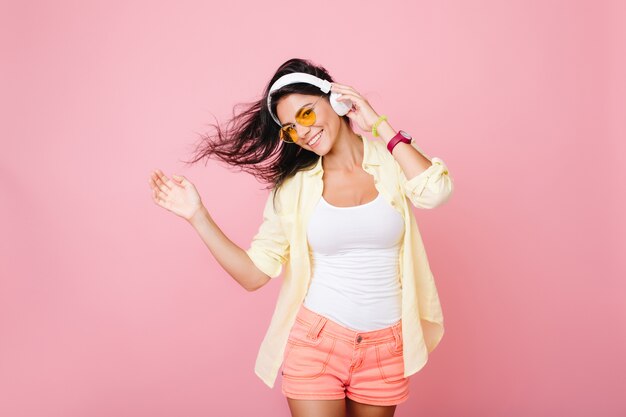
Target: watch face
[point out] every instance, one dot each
(406, 135)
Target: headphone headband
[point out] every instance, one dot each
(292, 78)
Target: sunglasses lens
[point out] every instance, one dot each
(305, 116)
(289, 134)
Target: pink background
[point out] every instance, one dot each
(112, 306)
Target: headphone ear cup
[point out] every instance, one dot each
(340, 107)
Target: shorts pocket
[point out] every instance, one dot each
(394, 348)
(390, 362)
(306, 357)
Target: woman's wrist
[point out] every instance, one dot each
(199, 216)
(376, 123)
(385, 131)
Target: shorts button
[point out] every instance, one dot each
(358, 339)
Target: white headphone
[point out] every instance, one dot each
(340, 107)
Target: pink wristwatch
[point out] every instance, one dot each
(401, 136)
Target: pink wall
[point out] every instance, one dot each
(111, 306)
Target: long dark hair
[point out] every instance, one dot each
(251, 139)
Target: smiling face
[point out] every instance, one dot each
(326, 121)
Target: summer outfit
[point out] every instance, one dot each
(346, 339)
(282, 243)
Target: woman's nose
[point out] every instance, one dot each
(302, 131)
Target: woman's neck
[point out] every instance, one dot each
(346, 153)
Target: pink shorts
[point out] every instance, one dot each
(324, 360)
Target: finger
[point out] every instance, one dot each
(162, 187)
(341, 88)
(182, 181)
(343, 97)
(155, 197)
(163, 195)
(339, 85)
(153, 181)
(155, 178)
(161, 175)
(161, 203)
(350, 95)
(159, 186)
(176, 182)
(168, 184)
(162, 181)
(354, 101)
(167, 181)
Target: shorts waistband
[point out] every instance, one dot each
(316, 323)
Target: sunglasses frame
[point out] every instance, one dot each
(282, 133)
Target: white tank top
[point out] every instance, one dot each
(355, 264)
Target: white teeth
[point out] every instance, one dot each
(314, 141)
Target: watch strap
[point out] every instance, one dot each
(399, 137)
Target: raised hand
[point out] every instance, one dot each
(362, 112)
(177, 195)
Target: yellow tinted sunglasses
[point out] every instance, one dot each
(304, 117)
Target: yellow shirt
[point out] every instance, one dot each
(281, 241)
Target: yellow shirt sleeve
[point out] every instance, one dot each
(269, 248)
(430, 188)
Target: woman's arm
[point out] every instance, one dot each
(231, 257)
(426, 181)
(409, 158)
(429, 184)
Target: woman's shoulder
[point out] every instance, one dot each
(291, 182)
(287, 192)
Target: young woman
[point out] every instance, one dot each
(358, 311)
